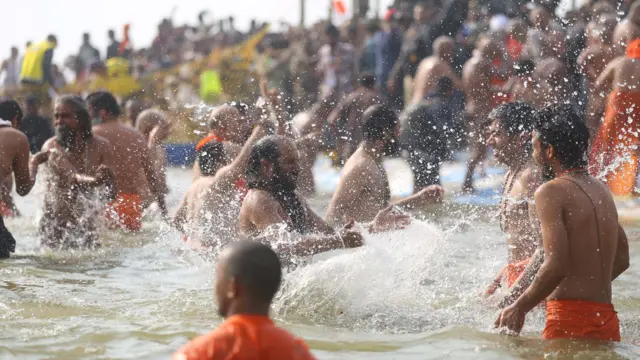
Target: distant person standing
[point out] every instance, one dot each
(37, 128)
(36, 73)
(248, 276)
(114, 45)
(336, 66)
(11, 70)
(88, 55)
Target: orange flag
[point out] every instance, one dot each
(339, 6)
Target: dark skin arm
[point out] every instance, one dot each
(24, 169)
(154, 183)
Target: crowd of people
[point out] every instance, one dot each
(555, 98)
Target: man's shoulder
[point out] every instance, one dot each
(209, 345)
(101, 143)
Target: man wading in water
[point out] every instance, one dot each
(585, 248)
(14, 159)
(510, 138)
(79, 162)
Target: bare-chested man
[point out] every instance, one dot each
(155, 129)
(133, 170)
(627, 30)
(585, 248)
(272, 203)
(208, 214)
(79, 165)
(346, 118)
(363, 191)
(592, 61)
(510, 138)
(14, 159)
(225, 125)
(477, 75)
(614, 154)
(434, 67)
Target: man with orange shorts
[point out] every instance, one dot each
(510, 138)
(614, 153)
(248, 275)
(585, 248)
(133, 168)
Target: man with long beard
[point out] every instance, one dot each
(79, 164)
(583, 246)
(271, 177)
(363, 192)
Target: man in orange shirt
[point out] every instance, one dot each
(248, 275)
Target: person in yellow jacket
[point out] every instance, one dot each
(37, 62)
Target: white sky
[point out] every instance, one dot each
(68, 19)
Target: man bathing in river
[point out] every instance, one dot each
(208, 215)
(272, 200)
(510, 138)
(155, 129)
(248, 276)
(585, 248)
(225, 127)
(14, 159)
(78, 162)
(133, 170)
(363, 191)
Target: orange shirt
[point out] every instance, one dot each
(245, 337)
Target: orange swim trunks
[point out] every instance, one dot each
(125, 212)
(245, 337)
(509, 274)
(576, 319)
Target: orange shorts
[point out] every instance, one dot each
(576, 319)
(511, 273)
(125, 212)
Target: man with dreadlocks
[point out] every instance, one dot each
(510, 138)
(79, 165)
(271, 177)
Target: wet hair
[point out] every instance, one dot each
(444, 85)
(516, 118)
(209, 157)
(256, 267)
(378, 120)
(267, 149)
(367, 80)
(332, 31)
(560, 127)
(81, 112)
(10, 109)
(102, 100)
(523, 67)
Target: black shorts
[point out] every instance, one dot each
(7, 242)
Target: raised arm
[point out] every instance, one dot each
(605, 80)
(155, 184)
(228, 175)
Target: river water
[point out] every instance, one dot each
(406, 295)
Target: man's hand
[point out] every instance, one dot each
(38, 159)
(351, 238)
(431, 194)
(512, 318)
(389, 219)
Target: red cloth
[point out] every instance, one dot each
(210, 137)
(125, 212)
(245, 337)
(576, 319)
(633, 49)
(613, 145)
(5, 210)
(511, 273)
(514, 48)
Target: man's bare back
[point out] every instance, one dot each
(620, 74)
(362, 192)
(591, 234)
(429, 72)
(132, 154)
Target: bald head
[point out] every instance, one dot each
(443, 47)
(149, 119)
(488, 47)
(224, 121)
(248, 273)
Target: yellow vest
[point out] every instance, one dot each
(32, 62)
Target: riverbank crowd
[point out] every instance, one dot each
(556, 99)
